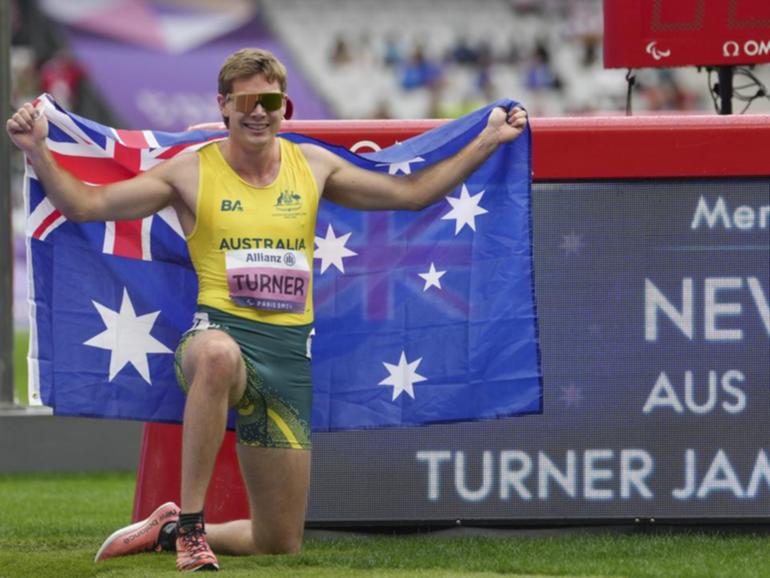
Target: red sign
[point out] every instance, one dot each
(668, 33)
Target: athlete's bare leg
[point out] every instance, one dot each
(213, 366)
(277, 482)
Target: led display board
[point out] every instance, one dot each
(668, 33)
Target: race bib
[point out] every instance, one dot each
(268, 279)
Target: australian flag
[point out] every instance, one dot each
(421, 318)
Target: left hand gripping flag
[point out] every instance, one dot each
(420, 317)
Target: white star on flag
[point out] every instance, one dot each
(403, 376)
(403, 166)
(127, 337)
(331, 250)
(465, 209)
(432, 277)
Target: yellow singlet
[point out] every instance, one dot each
(252, 247)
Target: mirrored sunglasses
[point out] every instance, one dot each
(246, 102)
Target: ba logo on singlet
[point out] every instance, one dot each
(228, 205)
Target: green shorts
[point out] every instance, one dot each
(275, 410)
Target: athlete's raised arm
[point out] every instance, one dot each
(350, 186)
(134, 198)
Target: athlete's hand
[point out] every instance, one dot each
(28, 127)
(507, 125)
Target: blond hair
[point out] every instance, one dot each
(248, 62)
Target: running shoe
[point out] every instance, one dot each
(193, 552)
(139, 537)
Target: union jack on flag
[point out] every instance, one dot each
(420, 317)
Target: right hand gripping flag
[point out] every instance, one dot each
(421, 318)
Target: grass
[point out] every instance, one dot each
(51, 525)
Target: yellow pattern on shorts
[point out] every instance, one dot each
(264, 420)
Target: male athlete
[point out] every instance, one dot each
(248, 347)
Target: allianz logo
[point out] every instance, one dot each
(732, 49)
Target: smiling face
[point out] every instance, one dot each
(258, 127)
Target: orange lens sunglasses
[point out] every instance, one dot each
(246, 102)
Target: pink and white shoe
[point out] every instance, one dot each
(139, 537)
(193, 552)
